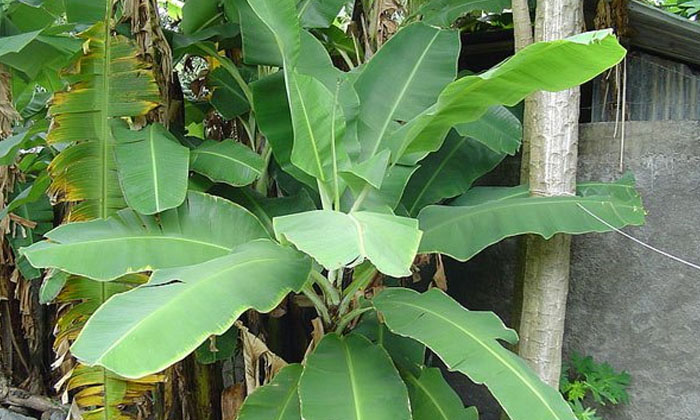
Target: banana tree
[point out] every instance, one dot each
(389, 151)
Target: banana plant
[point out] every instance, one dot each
(94, 77)
(383, 156)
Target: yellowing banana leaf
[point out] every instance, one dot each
(109, 81)
(179, 308)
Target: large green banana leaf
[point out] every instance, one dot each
(318, 123)
(497, 213)
(227, 96)
(445, 12)
(266, 208)
(280, 20)
(468, 342)
(274, 118)
(498, 129)
(319, 13)
(449, 172)
(111, 82)
(337, 239)
(391, 94)
(278, 400)
(228, 162)
(388, 196)
(199, 14)
(349, 378)
(39, 52)
(432, 398)
(550, 66)
(152, 167)
(407, 354)
(317, 115)
(155, 325)
(259, 41)
(203, 228)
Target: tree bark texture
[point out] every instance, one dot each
(552, 130)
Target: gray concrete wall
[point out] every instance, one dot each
(632, 307)
(629, 306)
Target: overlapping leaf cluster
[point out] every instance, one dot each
(367, 168)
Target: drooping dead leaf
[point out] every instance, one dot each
(8, 114)
(316, 335)
(439, 278)
(261, 364)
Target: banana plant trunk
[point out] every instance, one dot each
(551, 126)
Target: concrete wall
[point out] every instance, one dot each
(629, 306)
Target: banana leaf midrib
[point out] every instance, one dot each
(353, 381)
(104, 208)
